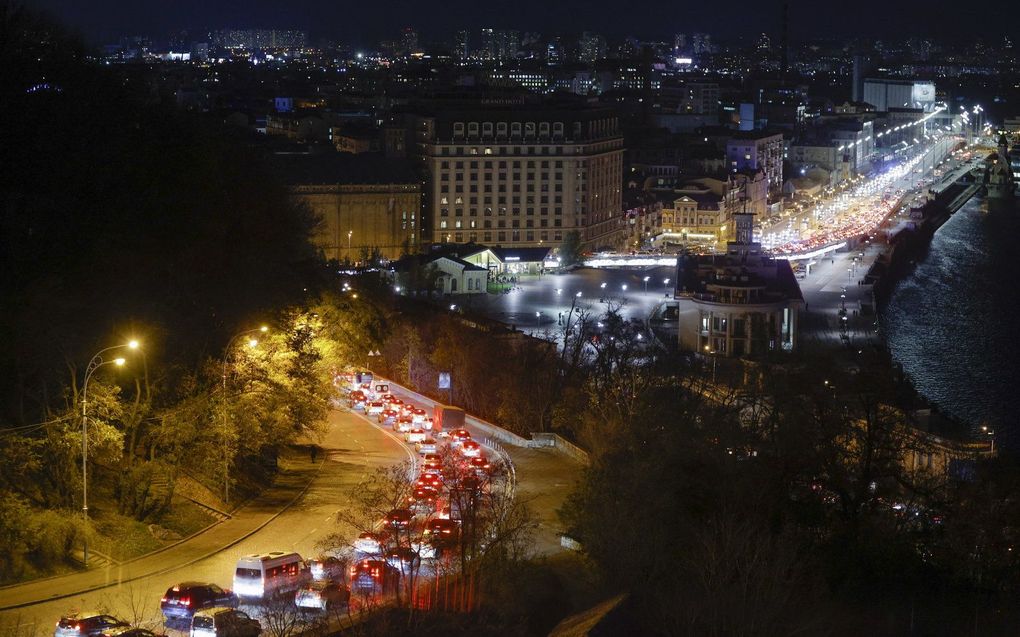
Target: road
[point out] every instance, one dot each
(545, 477)
(351, 449)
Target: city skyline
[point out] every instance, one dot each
(365, 24)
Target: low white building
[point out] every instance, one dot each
(445, 274)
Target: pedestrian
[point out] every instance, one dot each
(314, 450)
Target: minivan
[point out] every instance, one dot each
(260, 576)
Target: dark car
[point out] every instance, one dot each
(224, 622)
(93, 624)
(183, 600)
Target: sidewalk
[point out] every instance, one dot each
(545, 477)
(289, 485)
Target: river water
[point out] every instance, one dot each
(953, 323)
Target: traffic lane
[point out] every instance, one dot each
(545, 477)
(350, 452)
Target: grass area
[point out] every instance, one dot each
(184, 518)
(122, 537)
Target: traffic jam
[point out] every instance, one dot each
(453, 474)
(858, 212)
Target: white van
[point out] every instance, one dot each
(260, 576)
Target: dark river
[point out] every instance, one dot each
(954, 324)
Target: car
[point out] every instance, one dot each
(442, 532)
(369, 543)
(331, 568)
(394, 403)
(324, 596)
(431, 461)
(415, 435)
(429, 480)
(403, 424)
(423, 499)
(480, 465)
(418, 414)
(427, 424)
(387, 417)
(374, 576)
(87, 623)
(357, 399)
(375, 407)
(459, 436)
(224, 622)
(402, 558)
(470, 449)
(399, 518)
(127, 631)
(181, 601)
(427, 446)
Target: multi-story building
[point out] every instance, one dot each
(366, 203)
(520, 174)
(741, 303)
(884, 94)
(699, 98)
(757, 150)
(591, 47)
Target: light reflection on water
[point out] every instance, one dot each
(954, 323)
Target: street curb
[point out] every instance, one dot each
(170, 569)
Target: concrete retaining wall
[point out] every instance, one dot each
(562, 445)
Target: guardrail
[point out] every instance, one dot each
(508, 461)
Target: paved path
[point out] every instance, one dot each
(351, 449)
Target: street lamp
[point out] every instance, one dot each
(991, 436)
(538, 319)
(714, 357)
(252, 342)
(349, 234)
(95, 363)
(665, 281)
(646, 283)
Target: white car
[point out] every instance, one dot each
(415, 435)
(369, 544)
(376, 407)
(427, 446)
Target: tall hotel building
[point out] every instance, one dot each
(520, 175)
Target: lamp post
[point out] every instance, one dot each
(714, 357)
(646, 283)
(226, 447)
(991, 437)
(350, 233)
(95, 363)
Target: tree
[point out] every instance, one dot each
(571, 251)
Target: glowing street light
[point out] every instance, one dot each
(95, 363)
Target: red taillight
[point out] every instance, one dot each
(186, 601)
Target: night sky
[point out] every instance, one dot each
(364, 23)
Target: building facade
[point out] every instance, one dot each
(523, 176)
(757, 150)
(365, 204)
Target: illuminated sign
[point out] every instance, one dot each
(684, 61)
(512, 259)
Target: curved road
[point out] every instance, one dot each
(351, 449)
